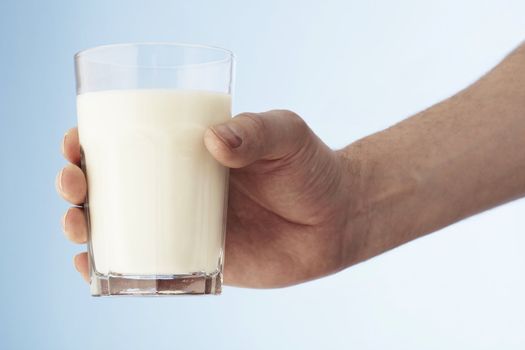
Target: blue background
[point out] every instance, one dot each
(349, 68)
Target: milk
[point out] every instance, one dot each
(156, 196)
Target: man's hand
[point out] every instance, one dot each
(287, 212)
(298, 210)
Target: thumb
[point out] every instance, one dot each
(249, 137)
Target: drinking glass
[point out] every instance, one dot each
(156, 202)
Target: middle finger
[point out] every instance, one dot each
(71, 184)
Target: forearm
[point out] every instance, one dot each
(459, 157)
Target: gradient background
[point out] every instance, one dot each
(349, 68)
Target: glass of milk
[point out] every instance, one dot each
(156, 204)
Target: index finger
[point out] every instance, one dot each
(71, 146)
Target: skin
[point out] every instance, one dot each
(299, 210)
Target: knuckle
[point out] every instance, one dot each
(294, 119)
(254, 120)
(255, 126)
(297, 124)
(289, 114)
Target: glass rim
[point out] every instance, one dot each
(229, 54)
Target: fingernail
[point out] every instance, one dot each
(58, 180)
(63, 222)
(64, 142)
(75, 263)
(227, 135)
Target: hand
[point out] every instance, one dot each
(287, 219)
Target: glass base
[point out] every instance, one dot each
(194, 284)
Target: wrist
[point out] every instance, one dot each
(379, 188)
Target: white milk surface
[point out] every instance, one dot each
(156, 196)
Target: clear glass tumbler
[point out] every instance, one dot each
(156, 204)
